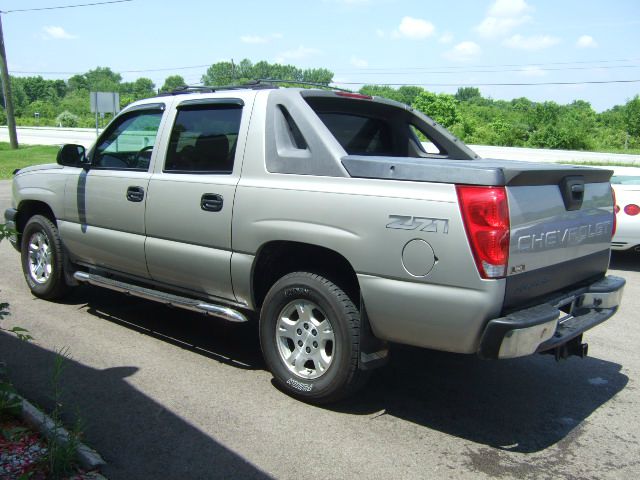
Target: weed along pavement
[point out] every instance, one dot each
(163, 393)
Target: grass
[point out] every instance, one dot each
(24, 156)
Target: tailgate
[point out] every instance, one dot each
(560, 236)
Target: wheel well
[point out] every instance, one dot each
(28, 209)
(276, 259)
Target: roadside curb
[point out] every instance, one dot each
(88, 458)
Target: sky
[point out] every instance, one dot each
(439, 45)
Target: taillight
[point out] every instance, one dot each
(354, 95)
(485, 213)
(632, 209)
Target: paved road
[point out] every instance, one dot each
(166, 394)
(86, 137)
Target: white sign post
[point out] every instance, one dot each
(104, 102)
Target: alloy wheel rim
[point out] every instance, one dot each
(39, 258)
(305, 338)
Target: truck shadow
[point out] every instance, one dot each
(521, 405)
(236, 344)
(137, 437)
(627, 261)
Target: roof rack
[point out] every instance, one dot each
(185, 89)
(262, 83)
(306, 84)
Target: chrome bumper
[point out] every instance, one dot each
(553, 323)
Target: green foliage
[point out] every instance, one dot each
(442, 107)
(632, 116)
(68, 119)
(468, 94)
(172, 82)
(230, 73)
(404, 94)
(469, 115)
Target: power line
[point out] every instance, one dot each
(453, 67)
(484, 84)
(521, 70)
(63, 6)
(397, 72)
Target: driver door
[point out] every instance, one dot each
(105, 205)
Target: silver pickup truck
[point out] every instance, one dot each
(339, 221)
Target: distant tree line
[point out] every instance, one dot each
(469, 115)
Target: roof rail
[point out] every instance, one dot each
(184, 89)
(306, 84)
(262, 83)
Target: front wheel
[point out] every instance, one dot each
(310, 338)
(43, 258)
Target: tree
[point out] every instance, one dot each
(632, 116)
(441, 107)
(405, 94)
(172, 82)
(229, 73)
(218, 74)
(467, 94)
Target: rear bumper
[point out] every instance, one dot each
(10, 220)
(553, 323)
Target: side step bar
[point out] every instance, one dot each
(162, 297)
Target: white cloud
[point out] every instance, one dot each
(297, 54)
(380, 33)
(497, 27)
(464, 51)
(446, 37)
(57, 33)
(534, 42)
(260, 39)
(503, 16)
(509, 8)
(532, 71)
(415, 28)
(359, 62)
(586, 41)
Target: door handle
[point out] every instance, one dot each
(135, 194)
(211, 202)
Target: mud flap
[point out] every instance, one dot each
(374, 353)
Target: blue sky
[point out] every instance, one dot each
(436, 44)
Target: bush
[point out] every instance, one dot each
(67, 119)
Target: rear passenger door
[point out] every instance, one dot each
(191, 194)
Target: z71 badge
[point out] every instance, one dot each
(424, 224)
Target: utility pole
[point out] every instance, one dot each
(6, 90)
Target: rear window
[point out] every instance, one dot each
(364, 127)
(360, 135)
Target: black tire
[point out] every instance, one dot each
(49, 282)
(326, 301)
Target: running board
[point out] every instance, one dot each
(161, 297)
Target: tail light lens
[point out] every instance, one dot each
(485, 213)
(632, 209)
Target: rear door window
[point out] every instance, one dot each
(204, 138)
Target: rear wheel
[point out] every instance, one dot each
(309, 333)
(43, 258)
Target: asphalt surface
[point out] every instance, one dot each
(162, 393)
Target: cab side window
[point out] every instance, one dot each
(204, 138)
(127, 144)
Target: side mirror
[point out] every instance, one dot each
(71, 155)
